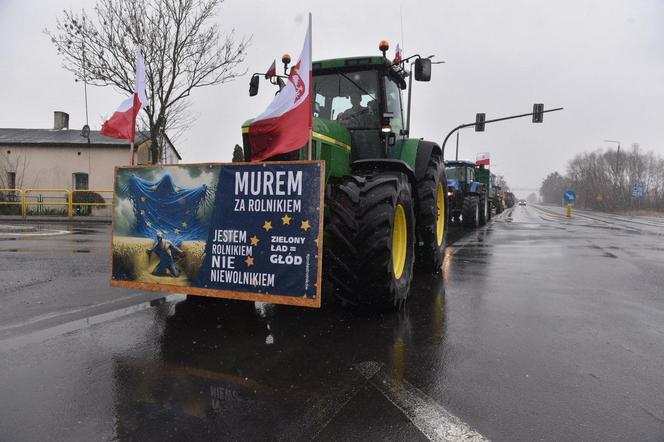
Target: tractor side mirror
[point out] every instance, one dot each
(422, 69)
(253, 85)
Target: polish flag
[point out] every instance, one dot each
(482, 159)
(122, 123)
(286, 124)
(272, 71)
(397, 55)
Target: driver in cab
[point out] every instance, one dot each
(357, 115)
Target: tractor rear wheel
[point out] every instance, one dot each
(432, 216)
(371, 234)
(471, 211)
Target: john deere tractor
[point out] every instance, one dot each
(467, 196)
(385, 195)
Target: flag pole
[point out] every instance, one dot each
(309, 146)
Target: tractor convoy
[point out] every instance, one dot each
(388, 195)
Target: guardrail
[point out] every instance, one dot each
(69, 199)
(13, 194)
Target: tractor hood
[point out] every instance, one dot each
(453, 184)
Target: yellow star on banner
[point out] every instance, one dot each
(254, 240)
(267, 225)
(148, 223)
(286, 219)
(304, 225)
(249, 261)
(176, 189)
(154, 187)
(177, 231)
(184, 224)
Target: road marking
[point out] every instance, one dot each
(429, 417)
(434, 421)
(320, 412)
(42, 335)
(43, 233)
(50, 316)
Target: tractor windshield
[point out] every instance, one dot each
(350, 99)
(452, 173)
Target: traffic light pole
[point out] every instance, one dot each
(512, 117)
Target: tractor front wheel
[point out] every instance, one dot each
(371, 234)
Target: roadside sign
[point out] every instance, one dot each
(639, 189)
(250, 231)
(569, 197)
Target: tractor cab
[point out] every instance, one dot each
(460, 175)
(362, 95)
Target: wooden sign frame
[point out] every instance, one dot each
(302, 301)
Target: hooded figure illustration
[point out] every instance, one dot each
(166, 251)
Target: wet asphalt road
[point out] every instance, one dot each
(539, 328)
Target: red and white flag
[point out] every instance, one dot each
(285, 125)
(122, 123)
(272, 71)
(397, 55)
(482, 159)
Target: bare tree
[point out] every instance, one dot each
(183, 49)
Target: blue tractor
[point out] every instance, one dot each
(468, 202)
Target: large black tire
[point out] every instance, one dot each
(471, 212)
(484, 210)
(359, 253)
(431, 213)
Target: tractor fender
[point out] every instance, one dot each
(424, 151)
(385, 164)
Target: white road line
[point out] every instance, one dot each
(434, 421)
(39, 336)
(320, 412)
(43, 233)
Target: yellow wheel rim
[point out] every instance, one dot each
(399, 241)
(440, 216)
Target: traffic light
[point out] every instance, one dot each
(538, 112)
(479, 122)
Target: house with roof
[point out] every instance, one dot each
(63, 158)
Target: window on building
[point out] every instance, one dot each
(11, 180)
(80, 181)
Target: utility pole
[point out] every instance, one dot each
(457, 147)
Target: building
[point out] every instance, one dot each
(61, 158)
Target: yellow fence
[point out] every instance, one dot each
(69, 199)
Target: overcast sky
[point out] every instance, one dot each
(602, 60)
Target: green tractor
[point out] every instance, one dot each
(467, 196)
(385, 194)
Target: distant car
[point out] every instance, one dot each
(522, 202)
